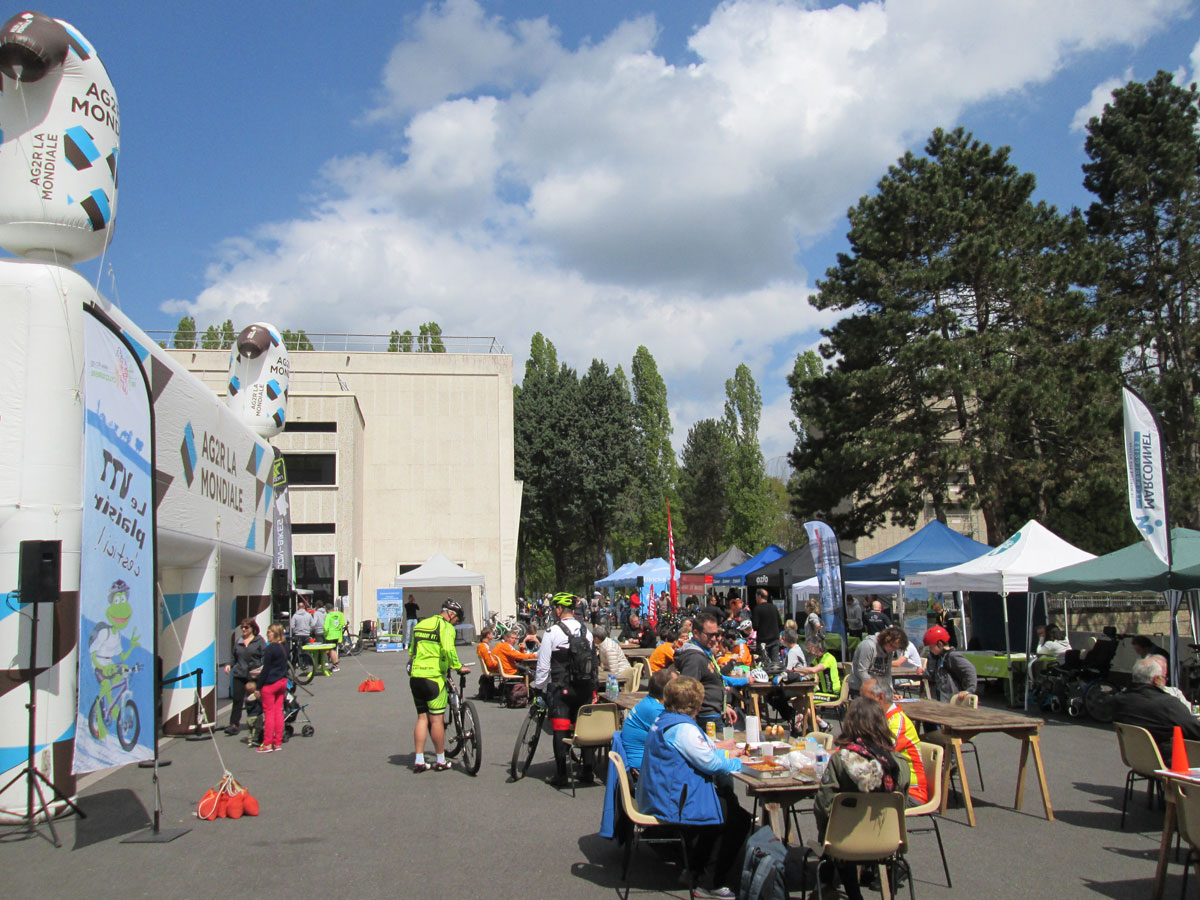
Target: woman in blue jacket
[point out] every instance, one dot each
(685, 779)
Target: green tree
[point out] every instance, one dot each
(547, 459)
(655, 469)
(606, 418)
(970, 363)
(704, 472)
(429, 340)
(1145, 174)
(228, 335)
(808, 365)
(185, 334)
(747, 490)
(400, 343)
(211, 339)
(296, 340)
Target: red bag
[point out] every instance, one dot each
(236, 805)
(250, 805)
(207, 808)
(371, 685)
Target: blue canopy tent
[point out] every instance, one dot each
(617, 578)
(736, 577)
(933, 547)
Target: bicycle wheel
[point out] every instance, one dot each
(454, 732)
(527, 741)
(129, 725)
(1098, 700)
(354, 644)
(472, 738)
(303, 668)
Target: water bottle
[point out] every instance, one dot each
(822, 762)
(614, 688)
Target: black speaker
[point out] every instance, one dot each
(40, 572)
(279, 586)
(343, 587)
(641, 582)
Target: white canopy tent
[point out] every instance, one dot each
(802, 590)
(439, 579)
(1033, 550)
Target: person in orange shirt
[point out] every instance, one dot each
(664, 653)
(509, 655)
(904, 732)
(489, 664)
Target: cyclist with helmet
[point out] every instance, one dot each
(432, 655)
(564, 693)
(949, 674)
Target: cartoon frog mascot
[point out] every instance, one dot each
(106, 645)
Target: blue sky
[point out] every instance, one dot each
(674, 174)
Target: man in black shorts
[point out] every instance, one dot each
(564, 693)
(432, 655)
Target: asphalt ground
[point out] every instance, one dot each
(342, 815)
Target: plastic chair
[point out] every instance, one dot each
(635, 677)
(865, 829)
(837, 705)
(594, 727)
(1140, 753)
(641, 822)
(824, 738)
(1187, 820)
(931, 758)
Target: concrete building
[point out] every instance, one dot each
(393, 457)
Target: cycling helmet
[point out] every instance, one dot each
(119, 587)
(562, 598)
(455, 607)
(745, 626)
(935, 634)
(759, 676)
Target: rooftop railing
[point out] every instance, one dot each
(350, 343)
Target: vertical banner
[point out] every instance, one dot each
(827, 559)
(671, 559)
(115, 723)
(282, 513)
(1144, 459)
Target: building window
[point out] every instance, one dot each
(311, 468)
(315, 573)
(313, 528)
(310, 428)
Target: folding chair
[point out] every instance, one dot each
(865, 829)
(641, 822)
(594, 727)
(1140, 753)
(931, 759)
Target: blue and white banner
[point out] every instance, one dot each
(1147, 475)
(115, 723)
(827, 559)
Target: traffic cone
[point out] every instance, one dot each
(1179, 760)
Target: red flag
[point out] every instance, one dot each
(671, 559)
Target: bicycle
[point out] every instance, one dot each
(463, 733)
(128, 723)
(351, 643)
(528, 737)
(300, 663)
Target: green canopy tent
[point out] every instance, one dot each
(1135, 569)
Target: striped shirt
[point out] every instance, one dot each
(905, 733)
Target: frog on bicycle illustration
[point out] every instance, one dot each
(114, 708)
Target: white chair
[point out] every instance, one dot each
(671, 833)
(931, 759)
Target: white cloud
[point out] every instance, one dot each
(608, 198)
(1101, 95)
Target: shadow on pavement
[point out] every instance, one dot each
(650, 872)
(110, 814)
(1128, 890)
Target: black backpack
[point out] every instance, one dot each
(583, 663)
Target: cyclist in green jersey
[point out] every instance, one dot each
(432, 656)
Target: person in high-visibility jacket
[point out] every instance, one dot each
(335, 624)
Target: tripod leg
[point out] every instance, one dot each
(59, 795)
(44, 808)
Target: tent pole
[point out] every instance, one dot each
(962, 618)
(1012, 701)
(1173, 600)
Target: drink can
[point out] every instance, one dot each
(711, 728)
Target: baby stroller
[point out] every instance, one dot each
(293, 712)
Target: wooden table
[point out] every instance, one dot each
(779, 797)
(804, 689)
(961, 723)
(638, 652)
(1169, 825)
(627, 699)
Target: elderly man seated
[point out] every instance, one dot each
(489, 664)
(612, 658)
(1145, 704)
(508, 654)
(638, 634)
(685, 780)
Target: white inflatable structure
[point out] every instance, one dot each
(59, 148)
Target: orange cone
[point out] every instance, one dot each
(1179, 760)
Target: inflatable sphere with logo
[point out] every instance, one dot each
(60, 135)
(259, 370)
